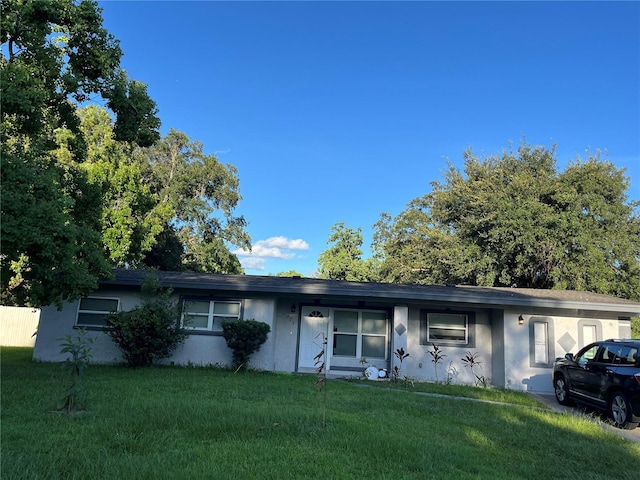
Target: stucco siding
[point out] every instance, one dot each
(197, 349)
(286, 337)
(204, 350)
(518, 374)
(263, 310)
(566, 334)
(420, 366)
(497, 347)
(624, 329)
(56, 324)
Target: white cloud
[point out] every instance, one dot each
(284, 242)
(274, 247)
(252, 263)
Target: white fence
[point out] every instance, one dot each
(18, 326)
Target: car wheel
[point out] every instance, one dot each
(560, 388)
(620, 411)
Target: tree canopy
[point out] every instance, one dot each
(342, 260)
(168, 206)
(54, 56)
(85, 188)
(514, 220)
(196, 199)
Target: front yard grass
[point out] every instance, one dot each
(173, 422)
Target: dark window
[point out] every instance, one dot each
(447, 328)
(93, 311)
(619, 354)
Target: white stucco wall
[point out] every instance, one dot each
(197, 349)
(56, 324)
(566, 334)
(421, 367)
(200, 349)
(286, 337)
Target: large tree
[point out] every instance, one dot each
(131, 221)
(197, 196)
(55, 55)
(342, 260)
(514, 220)
(169, 206)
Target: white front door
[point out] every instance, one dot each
(313, 330)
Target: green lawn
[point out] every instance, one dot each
(174, 423)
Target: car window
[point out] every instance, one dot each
(610, 354)
(587, 355)
(624, 355)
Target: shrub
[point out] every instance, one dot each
(396, 370)
(244, 337)
(472, 361)
(150, 331)
(80, 350)
(437, 357)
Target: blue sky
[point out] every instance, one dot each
(339, 111)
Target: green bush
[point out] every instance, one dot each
(244, 337)
(80, 350)
(150, 331)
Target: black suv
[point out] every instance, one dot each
(604, 375)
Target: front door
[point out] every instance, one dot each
(355, 338)
(313, 330)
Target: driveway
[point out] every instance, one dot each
(550, 401)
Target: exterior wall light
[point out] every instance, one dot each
(520, 320)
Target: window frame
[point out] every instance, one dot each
(359, 334)
(104, 313)
(549, 327)
(543, 327)
(211, 314)
(469, 329)
(582, 323)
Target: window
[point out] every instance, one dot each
(540, 343)
(541, 347)
(589, 334)
(619, 354)
(360, 333)
(589, 331)
(208, 315)
(587, 355)
(93, 311)
(447, 328)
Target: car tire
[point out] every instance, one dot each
(560, 389)
(620, 411)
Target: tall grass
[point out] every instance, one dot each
(174, 423)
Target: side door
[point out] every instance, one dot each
(598, 373)
(580, 371)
